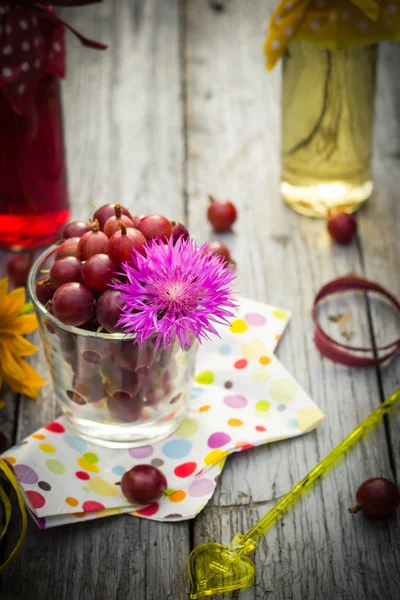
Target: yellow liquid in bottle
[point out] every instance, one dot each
(327, 124)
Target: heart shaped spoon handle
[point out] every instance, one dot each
(215, 569)
(284, 504)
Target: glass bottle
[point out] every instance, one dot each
(327, 124)
(33, 186)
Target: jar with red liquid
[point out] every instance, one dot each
(33, 184)
(33, 187)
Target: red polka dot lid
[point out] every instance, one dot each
(32, 43)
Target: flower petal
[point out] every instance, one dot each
(16, 300)
(18, 345)
(3, 289)
(30, 383)
(9, 364)
(21, 326)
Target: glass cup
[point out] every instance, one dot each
(113, 392)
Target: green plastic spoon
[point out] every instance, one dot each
(216, 569)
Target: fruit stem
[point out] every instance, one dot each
(355, 509)
(122, 227)
(117, 210)
(212, 199)
(94, 225)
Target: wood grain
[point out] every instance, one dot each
(179, 107)
(233, 136)
(123, 128)
(379, 225)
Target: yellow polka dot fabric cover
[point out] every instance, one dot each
(331, 24)
(242, 397)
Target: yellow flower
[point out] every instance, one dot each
(20, 376)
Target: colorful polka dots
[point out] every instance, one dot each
(148, 511)
(255, 319)
(225, 350)
(55, 427)
(35, 499)
(308, 417)
(260, 374)
(233, 396)
(47, 448)
(185, 469)
(213, 457)
(240, 364)
(25, 474)
(102, 487)
(264, 360)
(71, 501)
(43, 485)
(142, 452)
(177, 448)
(235, 422)
(10, 459)
(87, 466)
(280, 314)
(205, 378)
(235, 401)
(196, 393)
(55, 466)
(118, 470)
(91, 457)
(188, 428)
(201, 487)
(252, 349)
(218, 439)
(91, 505)
(238, 326)
(243, 445)
(75, 442)
(283, 390)
(177, 496)
(263, 406)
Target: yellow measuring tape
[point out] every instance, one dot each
(7, 472)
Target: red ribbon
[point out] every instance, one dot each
(339, 352)
(32, 43)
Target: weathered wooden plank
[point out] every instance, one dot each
(8, 399)
(233, 150)
(123, 125)
(122, 108)
(116, 557)
(379, 223)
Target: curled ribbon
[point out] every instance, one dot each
(6, 470)
(331, 24)
(339, 352)
(32, 43)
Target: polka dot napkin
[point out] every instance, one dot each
(242, 397)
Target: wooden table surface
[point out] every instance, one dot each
(181, 106)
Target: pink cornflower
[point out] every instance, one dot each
(175, 291)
